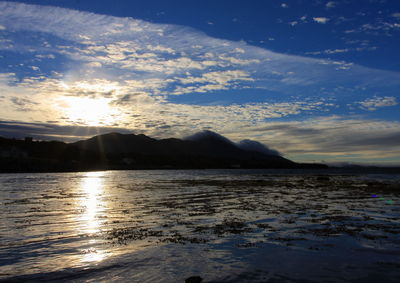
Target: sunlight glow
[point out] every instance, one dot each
(89, 111)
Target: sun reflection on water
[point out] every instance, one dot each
(92, 204)
(92, 188)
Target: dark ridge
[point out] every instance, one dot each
(115, 151)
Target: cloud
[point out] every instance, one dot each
(372, 104)
(51, 131)
(212, 80)
(321, 20)
(93, 65)
(330, 5)
(284, 5)
(330, 51)
(21, 101)
(128, 49)
(251, 145)
(45, 56)
(330, 138)
(385, 26)
(343, 50)
(379, 26)
(2, 27)
(132, 106)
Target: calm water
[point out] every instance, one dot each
(222, 225)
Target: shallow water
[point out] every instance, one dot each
(222, 225)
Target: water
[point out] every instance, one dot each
(222, 225)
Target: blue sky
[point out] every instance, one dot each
(316, 80)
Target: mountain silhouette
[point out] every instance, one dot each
(129, 151)
(205, 144)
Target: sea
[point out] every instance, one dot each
(219, 225)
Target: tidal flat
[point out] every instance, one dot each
(221, 225)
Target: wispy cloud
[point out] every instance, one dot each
(330, 5)
(376, 102)
(330, 51)
(343, 50)
(127, 49)
(321, 20)
(386, 26)
(334, 137)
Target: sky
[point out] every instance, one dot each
(316, 80)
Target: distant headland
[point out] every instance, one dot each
(115, 151)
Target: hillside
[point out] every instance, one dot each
(129, 151)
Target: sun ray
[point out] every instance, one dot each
(89, 111)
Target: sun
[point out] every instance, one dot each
(89, 111)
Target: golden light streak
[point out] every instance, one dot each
(92, 189)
